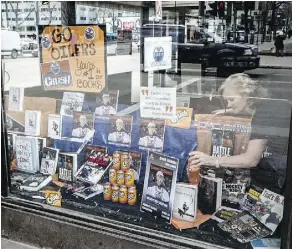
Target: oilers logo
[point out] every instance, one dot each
(158, 54)
(55, 67)
(89, 33)
(46, 42)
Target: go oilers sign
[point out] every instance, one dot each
(73, 58)
(157, 54)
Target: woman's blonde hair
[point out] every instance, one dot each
(245, 87)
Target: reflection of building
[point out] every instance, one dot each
(22, 15)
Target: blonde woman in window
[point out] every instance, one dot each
(270, 130)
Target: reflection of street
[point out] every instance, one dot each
(25, 72)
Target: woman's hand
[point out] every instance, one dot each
(223, 111)
(198, 158)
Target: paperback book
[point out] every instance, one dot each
(233, 194)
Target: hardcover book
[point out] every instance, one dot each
(67, 166)
(185, 205)
(49, 161)
(91, 173)
(159, 185)
(32, 123)
(16, 97)
(210, 194)
(233, 194)
(27, 154)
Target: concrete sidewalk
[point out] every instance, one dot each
(270, 45)
(10, 244)
(278, 62)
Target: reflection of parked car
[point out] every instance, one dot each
(35, 52)
(226, 57)
(28, 44)
(239, 36)
(10, 44)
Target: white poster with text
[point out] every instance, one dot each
(157, 53)
(156, 102)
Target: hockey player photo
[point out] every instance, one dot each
(107, 104)
(82, 124)
(151, 135)
(120, 130)
(158, 189)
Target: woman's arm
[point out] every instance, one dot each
(248, 159)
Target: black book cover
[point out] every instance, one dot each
(207, 196)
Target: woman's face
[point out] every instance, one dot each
(234, 100)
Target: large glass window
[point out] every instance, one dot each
(174, 117)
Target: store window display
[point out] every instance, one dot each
(223, 167)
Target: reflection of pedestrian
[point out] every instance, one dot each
(151, 141)
(119, 136)
(279, 44)
(105, 108)
(158, 190)
(83, 129)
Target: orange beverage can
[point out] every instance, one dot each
(116, 160)
(132, 195)
(125, 161)
(107, 191)
(123, 194)
(129, 178)
(120, 177)
(115, 193)
(112, 176)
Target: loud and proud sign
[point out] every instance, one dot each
(73, 58)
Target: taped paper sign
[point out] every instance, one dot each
(182, 119)
(158, 102)
(157, 53)
(73, 58)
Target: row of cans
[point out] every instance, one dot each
(120, 177)
(121, 161)
(120, 194)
